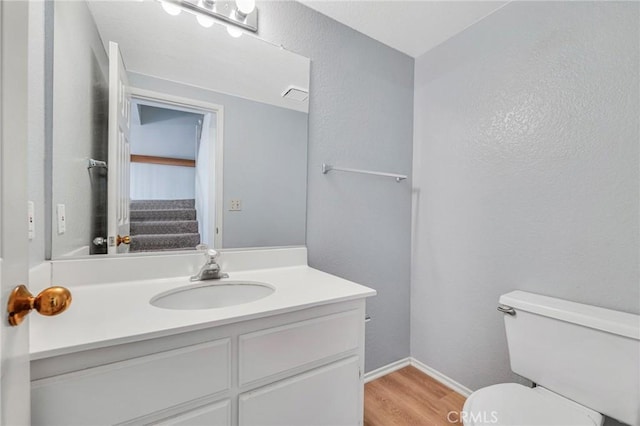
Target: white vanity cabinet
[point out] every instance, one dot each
(122, 390)
(212, 414)
(328, 395)
(298, 368)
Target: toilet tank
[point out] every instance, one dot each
(588, 354)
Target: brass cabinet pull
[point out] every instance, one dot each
(123, 240)
(50, 301)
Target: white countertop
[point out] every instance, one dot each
(107, 314)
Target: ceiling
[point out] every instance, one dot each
(412, 27)
(156, 44)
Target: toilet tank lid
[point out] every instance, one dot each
(616, 322)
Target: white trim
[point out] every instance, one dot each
(215, 179)
(216, 225)
(14, 134)
(386, 369)
(187, 103)
(442, 378)
(435, 374)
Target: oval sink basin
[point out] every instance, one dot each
(209, 295)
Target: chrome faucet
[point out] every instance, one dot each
(210, 270)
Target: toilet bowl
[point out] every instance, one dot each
(512, 404)
(584, 359)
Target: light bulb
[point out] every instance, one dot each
(205, 21)
(171, 9)
(233, 31)
(246, 6)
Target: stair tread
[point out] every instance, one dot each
(152, 242)
(152, 204)
(162, 215)
(175, 235)
(164, 225)
(164, 221)
(164, 210)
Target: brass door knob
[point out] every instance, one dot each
(50, 301)
(126, 240)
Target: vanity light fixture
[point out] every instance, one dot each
(171, 8)
(205, 21)
(245, 7)
(233, 31)
(238, 13)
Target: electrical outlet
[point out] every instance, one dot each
(236, 205)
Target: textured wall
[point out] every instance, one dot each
(360, 115)
(80, 67)
(526, 175)
(36, 150)
(40, 124)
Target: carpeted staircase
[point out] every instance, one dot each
(163, 225)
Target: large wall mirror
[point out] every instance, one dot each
(167, 134)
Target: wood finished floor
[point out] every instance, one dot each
(409, 397)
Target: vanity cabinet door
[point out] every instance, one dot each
(267, 353)
(328, 396)
(218, 414)
(121, 391)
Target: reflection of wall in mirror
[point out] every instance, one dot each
(265, 166)
(80, 96)
(37, 104)
(265, 148)
(168, 133)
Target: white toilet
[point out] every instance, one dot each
(584, 359)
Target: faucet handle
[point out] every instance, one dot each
(209, 252)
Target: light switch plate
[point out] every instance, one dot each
(62, 219)
(31, 219)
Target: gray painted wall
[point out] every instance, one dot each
(36, 137)
(265, 150)
(161, 182)
(164, 133)
(360, 115)
(81, 67)
(526, 175)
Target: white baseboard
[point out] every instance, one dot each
(445, 380)
(387, 369)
